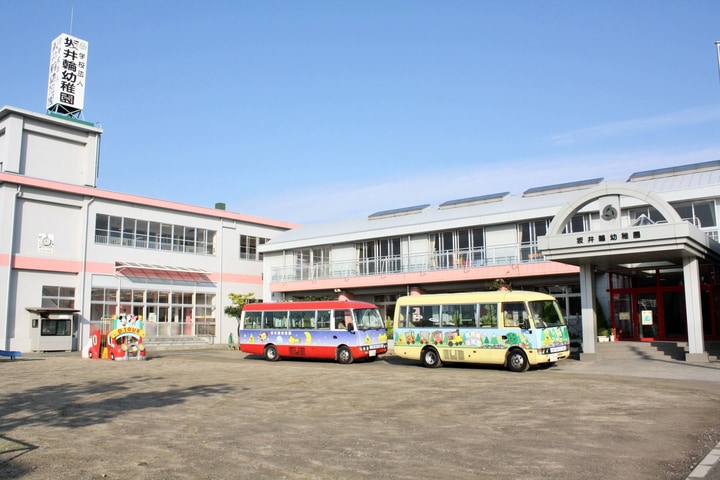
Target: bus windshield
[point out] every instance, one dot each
(368, 319)
(546, 313)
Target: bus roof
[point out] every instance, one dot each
(312, 305)
(472, 297)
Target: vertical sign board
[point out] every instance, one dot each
(66, 81)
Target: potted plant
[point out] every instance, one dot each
(603, 329)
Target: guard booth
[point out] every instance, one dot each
(53, 329)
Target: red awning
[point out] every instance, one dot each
(163, 272)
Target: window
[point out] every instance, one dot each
(252, 320)
(312, 262)
(323, 319)
(578, 223)
(646, 212)
(57, 297)
(514, 315)
(459, 248)
(248, 247)
(488, 315)
(130, 232)
(379, 256)
(701, 214)
(458, 316)
(529, 233)
(52, 327)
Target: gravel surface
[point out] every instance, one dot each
(218, 414)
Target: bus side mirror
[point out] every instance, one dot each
(350, 328)
(524, 324)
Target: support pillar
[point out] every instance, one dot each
(693, 312)
(589, 318)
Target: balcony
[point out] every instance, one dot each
(426, 262)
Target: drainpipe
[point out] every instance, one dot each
(4, 341)
(220, 316)
(83, 275)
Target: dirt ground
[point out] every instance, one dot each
(217, 414)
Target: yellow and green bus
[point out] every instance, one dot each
(516, 329)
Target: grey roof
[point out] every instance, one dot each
(540, 202)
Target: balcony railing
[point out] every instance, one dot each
(427, 262)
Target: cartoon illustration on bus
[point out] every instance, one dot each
(513, 329)
(343, 331)
(118, 339)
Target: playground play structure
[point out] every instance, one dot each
(118, 339)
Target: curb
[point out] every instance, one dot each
(711, 460)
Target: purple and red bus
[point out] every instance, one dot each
(338, 330)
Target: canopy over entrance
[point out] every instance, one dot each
(616, 241)
(165, 272)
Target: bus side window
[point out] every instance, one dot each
(279, 319)
(267, 319)
(308, 321)
(402, 317)
(296, 319)
(514, 314)
(343, 319)
(428, 316)
(252, 320)
(488, 315)
(323, 319)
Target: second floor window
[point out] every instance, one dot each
(312, 262)
(700, 214)
(248, 247)
(529, 233)
(379, 256)
(459, 248)
(131, 232)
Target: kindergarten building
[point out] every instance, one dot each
(72, 254)
(640, 253)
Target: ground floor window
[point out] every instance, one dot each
(162, 312)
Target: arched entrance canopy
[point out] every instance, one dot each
(615, 241)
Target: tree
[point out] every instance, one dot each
(238, 302)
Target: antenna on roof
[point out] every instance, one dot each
(72, 12)
(717, 45)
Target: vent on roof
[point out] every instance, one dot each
(561, 187)
(464, 202)
(398, 211)
(669, 172)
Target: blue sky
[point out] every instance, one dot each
(311, 111)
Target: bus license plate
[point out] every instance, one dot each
(373, 353)
(553, 357)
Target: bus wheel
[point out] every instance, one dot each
(271, 354)
(517, 361)
(344, 355)
(431, 358)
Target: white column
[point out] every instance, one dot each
(693, 312)
(587, 304)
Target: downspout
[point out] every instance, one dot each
(221, 313)
(4, 341)
(83, 275)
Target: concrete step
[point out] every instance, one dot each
(172, 343)
(653, 350)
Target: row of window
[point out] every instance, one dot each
(480, 315)
(466, 247)
(153, 305)
(131, 232)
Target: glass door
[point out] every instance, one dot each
(647, 315)
(623, 315)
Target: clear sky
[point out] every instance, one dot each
(310, 111)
